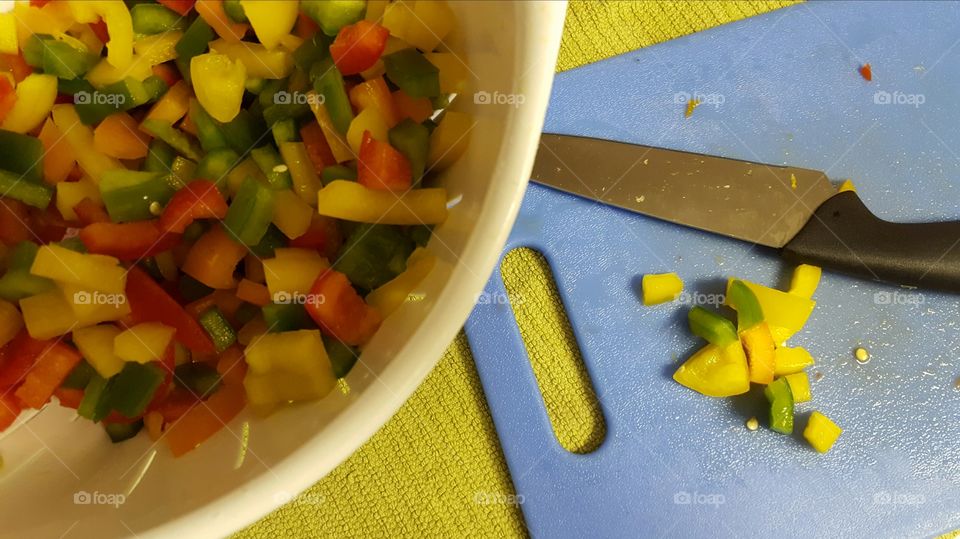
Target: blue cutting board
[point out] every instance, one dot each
(780, 88)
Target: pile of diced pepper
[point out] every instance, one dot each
(754, 349)
(210, 204)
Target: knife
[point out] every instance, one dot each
(795, 210)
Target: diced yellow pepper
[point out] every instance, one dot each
(799, 385)
(119, 26)
(80, 139)
(85, 34)
(716, 372)
(371, 120)
(761, 354)
(143, 343)
(35, 97)
(306, 183)
(247, 167)
(173, 105)
(391, 295)
(821, 432)
(94, 272)
(96, 346)
(261, 62)
(211, 11)
(449, 140)
(93, 307)
(423, 24)
(218, 82)
(290, 213)
(291, 43)
(351, 201)
(292, 271)
(287, 367)
(660, 288)
(10, 321)
(58, 156)
(790, 360)
(8, 34)
(48, 315)
(271, 21)
(53, 19)
(158, 48)
(785, 313)
(69, 194)
(454, 73)
(375, 10)
(804, 281)
(338, 145)
(119, 136)
(105, 73)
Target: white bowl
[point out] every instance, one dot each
(61, 476)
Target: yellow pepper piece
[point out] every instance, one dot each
(371, 120)
(48, 315)
(758, 346)
(449, 140)
(247, 167)
(351, 201)
(799, 385)
(118, 135)
(271, 21)
(790, 360)
(35, 97)
(391, 295)
(454, 73)
(716, 372)
(292, 272)
(660, 288)
(785, 313)
(211, 11)
(423, 24)
(53, 19)
(847, 185)
(219, 84)
(287, 367)
(58, 156)
(157, 49)
(93, 307)
(10, 321)
(821, 432)
(95, 272)
(306, 183)
(8, 34)
(143, 343)
(85, 35)
(804, 281)
(338, 145)
(375, 10)
(260, 61)
(69, 194)
(105, 73)
(290, 213)
(119, 26)
(173, 105)
(96, 345)
(80, 139)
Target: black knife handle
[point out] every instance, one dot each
(844, 236)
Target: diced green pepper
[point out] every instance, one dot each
(412, 73)
(281, 317)
(119, 432)
(273, 239)
(57, 58)
(374, 254)
(270, 89)
(155, 87)
(328, 82)
(193, 42)
(420, 234)
(18, 283)
(234, 10)
(311, 51)
(74, 86)
(284, 111)
(781, 405)
(332, 15)
(32, 194)
(178, 140)
(273, 167)
(215, 165)
(74, 244)
(208, 132)
(152, 19)
(181, 172)
(711, 326)
(160, 157)
(132, 389)
(254, 85)
(21, 155)
(744, 301)
(250, 212)
(219, 329)
(243, 132)
(95, 404)
(337, 172)
(342, 357)
(79, 377)
(117, 97)
(129, 194)
(285, 131)
(413, 141)
(201, 379)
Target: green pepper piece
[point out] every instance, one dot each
(373, 254)
(332, 15)
(270, 89)
(150, 266)
(342, 357)
(80, 376)
(208, 132)
(56, 57)
(254, 85)
(74, 86)
(413, 141)
(117, 97)
(281, 317)
(18, 283)
(160, 157)
(119, 432)
(285, 131)
(74, 244)
(95, 404)
(284, 111)
(32, 50)
(328, 82)
(273, 239)
(184, 144)
(22, 155)
(201, 379)
(193, 42)
(191, 289)
(337, 172)
(32, 194)
(273, 167)
(711, 326)
(250, 212)
(744, 301)
(132, 389)
(129, 194)
(234, 10)
(149, 19)
(412, 73)
(219, 329)
(215, 165)
(312, 51)
(155, 87)
(781, 405)
(420, 234)
(243, 132)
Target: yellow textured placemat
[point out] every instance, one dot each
(436, 469)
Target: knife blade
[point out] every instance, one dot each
(796, 210)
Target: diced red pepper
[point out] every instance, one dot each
(231, 366)
(48, 224)
(375, 93)
(50, 370)
(180, 6)
(178, 402)
(127, 241)
(13, 221)
(151, 303)
(16, 65)
(381, 166)
(199, 199)
(9, 410)
(89, 212)
(306, 27)
(318, 150)
(342, 314)
(866, 72)
(100, 30)
(17, 357)
(169, 74)
(69, 397)
(323, 235)
(8, 97)
(358, 46)
(201, 422)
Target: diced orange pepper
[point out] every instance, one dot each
(13, 221)
(58, 158)
(51, 368)
(202, 422)
(418, 109)
(8, 97)
(866, 72)
(225, 300)
(231, 366)
(212, 12)
(69, 397)
(173, 105)
(252, 292)
(213, 258)
(317, 148)
(342, 314)
(374, 93)
(118, 136)
(15, 65)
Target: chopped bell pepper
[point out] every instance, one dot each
(93, 271)
(291, 214)
(201, 379)
(284, 367)
(375, 94)
(342, 357)
(172, 106)
(337, 172)
(354, 202)
(799, 386)
(358, 46)
(449, 140)
(272, 239)
(17, 357)
(292, 272)
(199, 199)
(52, 366)
(218, 82)
(323, 236)
(342, 314)
(133, 388)
(219, 329)
(413, 73)
(8, 97)
(368, 120)
(781, 405)
(87, 211)
(417, 109)
(304, 177)
(96, 345)
(261, 61)
(785, 313)
(272, 166)
(336, 142)
(315, 143)
(81, 141)
(271, 21)
(32, 194)
(250, 212)
(178, 140)
(754, 332)
(328, 82)
(804, 281)
(716, 371)
(69, 397)
(711, 327)
(373, 255)
(95, 404)
(182, 7)
(194, 42)
(8, 34)
(13, 222)
(413, 141)
(151, 303)
(121, 432)
(152, 19)
(9, 411)
(332, 15)
(821, 432)
(144, 342)
(661, 288)
(63, 58)
(253, 292)
(118, 136)
(129, 195)
(36, 95)
(217, 165)
(281, 317)
(389, 296)
(234, 10)
(791, 360)
(212, 12)
(11, 322)
(127, 241)
(22, 155)
(454, 73)
(18, 283)
(201, 422)
(422, 24)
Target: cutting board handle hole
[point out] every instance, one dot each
(568, 395)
